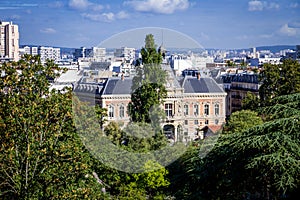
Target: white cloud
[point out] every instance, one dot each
(159, 6)
(122, 15)
(79, 4)
(266, 36)
(97, 7)
(56, 4)
(85, 5)
(104, 17)
(48, 30)
(288, 31)
(256, 5)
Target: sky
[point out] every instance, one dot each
(223, 24)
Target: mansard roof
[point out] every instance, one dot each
(202, 85)
(117, 86)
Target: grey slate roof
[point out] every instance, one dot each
(117, 86)
(204, 85)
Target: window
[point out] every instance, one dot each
(196, 122)
(217, 109)
(196, 109)
(111, 111)
(186, 122)
(216, 121)
(206, 109)
(186, 109)
(169, 109)
(121, 111)
(206, 121)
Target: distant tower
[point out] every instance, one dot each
(254, 52)
(162, 49)
(9, 40)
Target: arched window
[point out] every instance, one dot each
(206, 109)
(121, 111)
(217, 109)
(111, 111)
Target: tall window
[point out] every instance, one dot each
(121, 111)
(186, 109)
(111, 111)
(196, 109)
(217, 109)
(169, 109)
(206, 109)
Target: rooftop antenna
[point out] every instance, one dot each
(162, 37)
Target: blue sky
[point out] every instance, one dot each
(212, 23)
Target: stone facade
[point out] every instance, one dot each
(192, 104)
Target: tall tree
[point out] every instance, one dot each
(149, 52)
(148, 90)
(279, 80)
(41, 157)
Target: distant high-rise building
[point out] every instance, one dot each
(9, 41)
(125, 52)
(298, 52)
(49, 53)
(94, 53)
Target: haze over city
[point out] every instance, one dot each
(212, 24)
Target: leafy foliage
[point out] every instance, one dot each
(250, 102)
(41, 155)
(277, 80)
(148, 90)
(242, 120)
(253, 162)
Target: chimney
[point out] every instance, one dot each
(198, 75)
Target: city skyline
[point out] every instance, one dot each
(212, 24)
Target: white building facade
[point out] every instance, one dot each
(9, 41)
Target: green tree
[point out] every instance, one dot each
(101, 114)
(41, 157)
(148, 90)
(149, 52)
(250, 102)
(242, 120)
(261, 162)
(150, 42)
(282, 79)
(149, 184)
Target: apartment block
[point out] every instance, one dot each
(9, 41)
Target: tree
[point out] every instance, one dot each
(250, 102)
(101, 114)
(282, 79)
(261, 162)
(148, 90)
(149, 52)
(242, 120)
(41, 157)
(149, 42)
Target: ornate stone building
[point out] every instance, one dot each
(192, 103)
